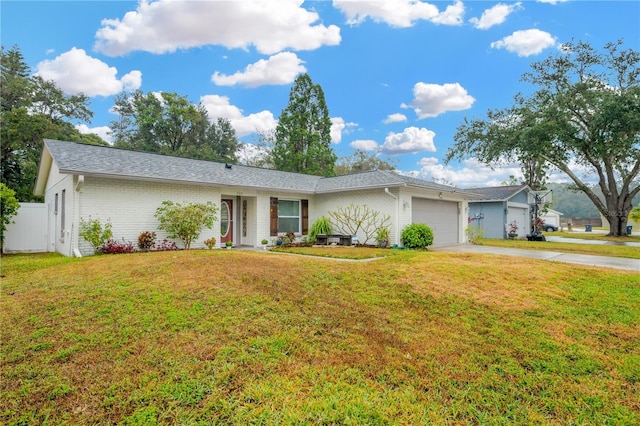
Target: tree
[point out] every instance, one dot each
(93, 232)
(360, 161)
(584, 114)
(185, 221)
(303, 135)
(8, 209)
(168, 123)
(33, 109)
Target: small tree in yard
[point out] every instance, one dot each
(94, 233)
(8, 209)
(185, 221)
(355, 219)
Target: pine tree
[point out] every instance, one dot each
(303, 135)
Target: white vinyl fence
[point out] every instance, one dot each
(29, 232)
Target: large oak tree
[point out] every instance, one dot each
(583, 119)
(168, 123)
(31, 110)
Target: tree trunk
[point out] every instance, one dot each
(617, 224)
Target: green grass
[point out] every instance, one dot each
(233, 337)
(591, 249)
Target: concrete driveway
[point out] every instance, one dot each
(582, 259)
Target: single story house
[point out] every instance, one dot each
(551, 217)
(126, 187)
(500, 206)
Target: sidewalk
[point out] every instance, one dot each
(582, 259)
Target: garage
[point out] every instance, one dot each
(520, 216)
(442, 216)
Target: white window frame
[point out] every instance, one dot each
(299, 216)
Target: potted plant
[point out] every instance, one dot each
(382, 237)
(229, 244)
(513, 230)
(264, 243)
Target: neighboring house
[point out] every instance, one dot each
(551, 217)
(498, 207)
(126, 187)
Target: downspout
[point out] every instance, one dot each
(76, 217)
(386, 191)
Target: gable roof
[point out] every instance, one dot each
(498, 193)
(92, 160)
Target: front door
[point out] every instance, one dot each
(226, 221)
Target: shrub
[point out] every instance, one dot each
(320, 226)
(8, 209)
(382, 236)
(117, 247)
(94, 233)
(359, 220)
(166, 245)
(185, 221)
(210, 243)
(417, 236)
(474, 233)
(146, 240)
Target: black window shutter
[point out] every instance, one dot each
(274, 217)
(305, 217)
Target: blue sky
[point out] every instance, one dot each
(399, 76)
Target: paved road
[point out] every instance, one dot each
(582, 259)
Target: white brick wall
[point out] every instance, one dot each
(131, 205)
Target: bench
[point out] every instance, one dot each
(326, 239)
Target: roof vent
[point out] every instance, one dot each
(228, 166)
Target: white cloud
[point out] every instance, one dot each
(164, 26)
(431, 100)
(364, 145)
(411, 139)
(452, 15)
(281, 68)
(554, 2)
(525, 42)
(75, 71)
(399, 13)
(219, 107)
(102, 131)
(395, 118)
(339, 127)
(495, 15)
(131, 81)
(471, 174)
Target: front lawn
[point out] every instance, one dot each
(240, 337)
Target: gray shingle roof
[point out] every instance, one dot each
(497, 193)
(92, 160)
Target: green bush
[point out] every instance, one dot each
(8, 208)
(94, 233)
(185, 221)
(417, 236)
(320, 226)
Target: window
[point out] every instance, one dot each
(55, 205)
(289, 216)
(62, 214)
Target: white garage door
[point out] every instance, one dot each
(441, 216)
(520, 216)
